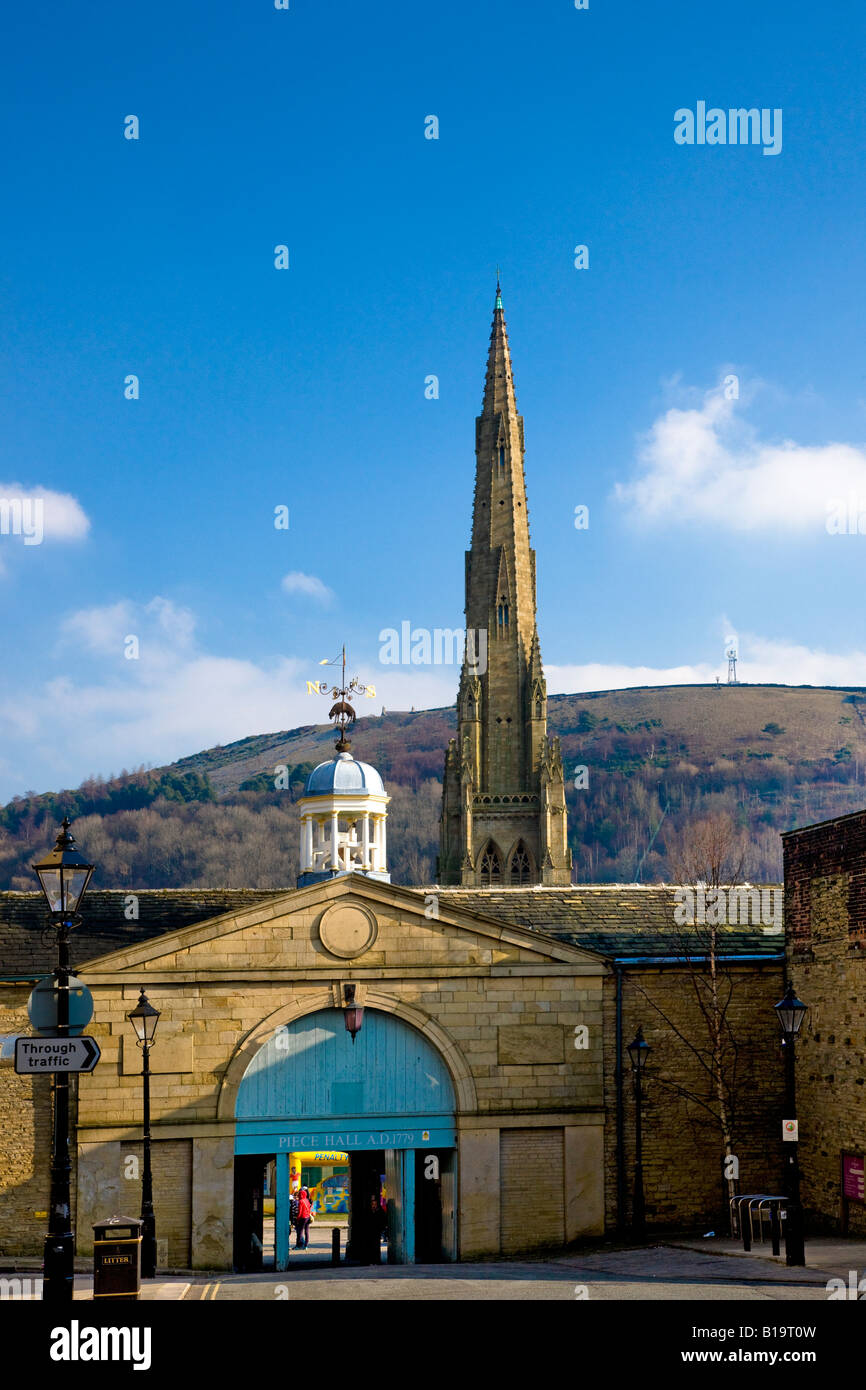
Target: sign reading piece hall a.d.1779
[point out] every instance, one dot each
(55, 1054)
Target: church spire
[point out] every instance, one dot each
(499, 383)
(502, 758)
(500, 521)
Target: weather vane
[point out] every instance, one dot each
(341, 711)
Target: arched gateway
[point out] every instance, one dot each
(387, 1099)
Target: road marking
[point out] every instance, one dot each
(203, 1294)
(216, 1288)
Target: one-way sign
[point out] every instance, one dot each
(55, 1054)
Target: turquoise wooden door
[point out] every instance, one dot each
(390, 1089)
(311, 1087)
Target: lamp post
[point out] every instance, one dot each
(63, 877)
(144, 1018)
(638, 1050)
(790, 1012)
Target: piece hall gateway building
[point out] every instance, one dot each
(498, 1004)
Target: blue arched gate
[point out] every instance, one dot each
(311, 1087)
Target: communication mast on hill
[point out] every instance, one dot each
(731, 654)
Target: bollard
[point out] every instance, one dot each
(775, 1227)
(746, 1225)
(335, 1246)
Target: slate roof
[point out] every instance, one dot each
(615, 920)
(28, 945)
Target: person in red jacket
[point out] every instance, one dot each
(305, 1216)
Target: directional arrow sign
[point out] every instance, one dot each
(55, 1054)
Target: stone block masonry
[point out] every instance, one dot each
(682, 1145)
(825, 912)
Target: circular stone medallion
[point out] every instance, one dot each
(347, 930)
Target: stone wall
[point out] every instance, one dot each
(682, 1148)
(502, 1010)
(25, 1143)
(111, 1186)
(510, 1016)
(825, 911)
(471, 986)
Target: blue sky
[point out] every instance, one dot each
(306, 387)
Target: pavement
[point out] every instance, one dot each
(831, 1255)
(680, 1268)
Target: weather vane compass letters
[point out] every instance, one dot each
(341, 712)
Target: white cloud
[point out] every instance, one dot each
(761, 661)
(402, 688)
(99, 629)
(163, 629)
(707, 465)
(174, 700)
(65, 518)
(60, 516)
(298, 583)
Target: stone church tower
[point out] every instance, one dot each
(503, 821)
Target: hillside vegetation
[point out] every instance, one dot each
(656, 760)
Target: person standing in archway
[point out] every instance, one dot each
(305, 1216)
(378, 1226)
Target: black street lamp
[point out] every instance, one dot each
(638, 1052)
(790, 1012)
(63, 877)
(144, 1018)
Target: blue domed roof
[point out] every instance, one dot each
(343, 774)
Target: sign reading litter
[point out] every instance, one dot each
(55, 1054)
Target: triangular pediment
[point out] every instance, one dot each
(350, 922)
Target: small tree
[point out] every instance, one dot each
(710, 854)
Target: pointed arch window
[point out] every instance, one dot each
(491, 867)
(502, 456)
(502, 617)
(520, 869)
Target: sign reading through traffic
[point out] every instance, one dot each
(55, 1054)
